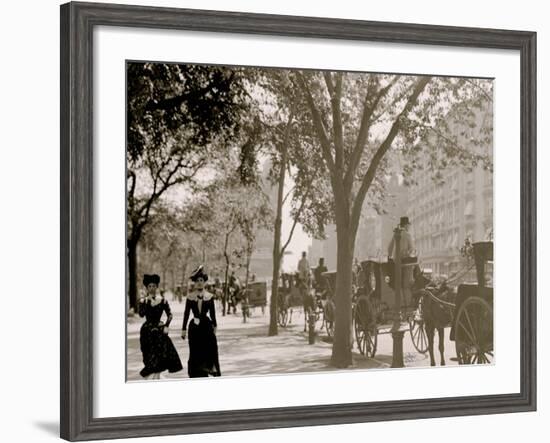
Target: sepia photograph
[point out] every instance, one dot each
(288, 220)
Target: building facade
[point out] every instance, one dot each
(460, 206)
(444, 215)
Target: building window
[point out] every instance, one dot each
(470, 181)
(469, 209)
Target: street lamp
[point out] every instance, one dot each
(396, 332)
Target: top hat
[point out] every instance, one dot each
(404, 221)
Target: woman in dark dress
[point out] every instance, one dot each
(203, 346)
(159, 353)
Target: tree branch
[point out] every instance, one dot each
(453, 144)
(318, 123)
(131, 199)
(143, 212)
(288, 194)
(473, 83)
(364, 128)
(295, 222)
(383, 148)
(335, 93)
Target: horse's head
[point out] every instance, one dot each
(421, 281)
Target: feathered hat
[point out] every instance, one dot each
(199, 273)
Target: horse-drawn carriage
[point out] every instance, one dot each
(290, 298)
(432, 307)
(254, 296)
(472, 329)
(295, 293)
(373, 308)
(329, 307)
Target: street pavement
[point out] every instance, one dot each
(245, 348)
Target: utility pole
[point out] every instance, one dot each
(397, 333)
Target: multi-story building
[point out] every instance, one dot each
(444, 213)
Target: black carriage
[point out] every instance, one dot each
(374, 303)
(472, 329)
(254, 296)
(327, 303)
(289, 299)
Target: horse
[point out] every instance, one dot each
(308, 300)
(431, 299)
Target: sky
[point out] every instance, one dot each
(300, 240)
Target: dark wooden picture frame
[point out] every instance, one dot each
(77, 24)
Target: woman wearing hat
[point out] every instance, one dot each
(203, 345)
(159, 353)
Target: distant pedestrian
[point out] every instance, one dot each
(159, 353)
(234, 291)
(203, 346)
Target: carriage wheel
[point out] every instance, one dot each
(366, 338)
(283, 317)
(474, 332)
(366, 332)
(418, 330)
(367, 341)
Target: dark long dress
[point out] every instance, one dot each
(203, 345)
(159, 353)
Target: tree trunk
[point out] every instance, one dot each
(132, 274)
(341, 349)
(225, 286)
(172, 279)
(277, 255)
(184, 278)
(248, 256)
(273, 302)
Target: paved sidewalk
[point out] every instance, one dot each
(246, 349)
